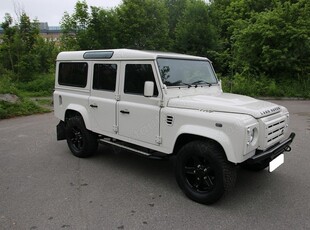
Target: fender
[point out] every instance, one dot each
(219, 136)
(82, 110)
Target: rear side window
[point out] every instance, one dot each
(135, 77)
(73, 74)
(105, 77)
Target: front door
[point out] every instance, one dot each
(138, 116)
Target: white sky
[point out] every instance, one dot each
(50, 11)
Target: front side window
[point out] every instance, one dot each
(73, 74)
(135, 77)
(105, 77)
(178, 72)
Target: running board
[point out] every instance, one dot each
(131, 147)
(125, 147)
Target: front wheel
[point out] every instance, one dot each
(203, 172)
(82, 142)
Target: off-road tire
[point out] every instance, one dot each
(206, 161)
(82, 142)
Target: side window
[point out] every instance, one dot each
(105, 77)
(135, 77)
(73, 74)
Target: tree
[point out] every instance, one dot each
(17, 47)
(102, 30)
(143, 24)
(74, 28)
(195, 32)
(6, 52)
(23, 52)
(276, 42)
(176, 10)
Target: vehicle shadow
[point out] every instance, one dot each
(251, 187)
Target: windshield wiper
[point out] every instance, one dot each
(201, 82)
(178, 83)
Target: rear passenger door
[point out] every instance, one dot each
(102, 102)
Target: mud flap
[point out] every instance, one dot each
(61, 131)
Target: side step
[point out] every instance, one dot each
(134, 148)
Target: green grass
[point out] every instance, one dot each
(41, 86)
(21, 108)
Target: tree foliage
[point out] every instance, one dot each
(245, 39)
(195, 32)
(22, 51)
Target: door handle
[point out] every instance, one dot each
(94, 106)
(125, 112)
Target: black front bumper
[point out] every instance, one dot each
(273, 152)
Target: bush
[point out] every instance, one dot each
(43, 85)
(263, 86)
(7, 85)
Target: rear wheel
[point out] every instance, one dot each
(203, 172)
(81, 141)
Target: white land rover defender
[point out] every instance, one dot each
(162, 104)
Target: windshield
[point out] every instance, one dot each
(178, 72)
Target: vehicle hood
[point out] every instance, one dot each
(226, 102)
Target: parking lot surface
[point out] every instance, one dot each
(43, 186)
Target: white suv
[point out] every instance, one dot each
(162, 104)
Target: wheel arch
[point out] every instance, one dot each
(185, 138)
(77, 110)
(189, 134)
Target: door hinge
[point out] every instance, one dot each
(158, 140)
(117, 97)
(161, 103)
(115, 128)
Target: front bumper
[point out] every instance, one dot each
(272, 152)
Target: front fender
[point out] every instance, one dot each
(214, 134)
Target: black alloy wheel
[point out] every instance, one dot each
(203, 171)
(81, 142)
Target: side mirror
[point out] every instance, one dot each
(148, 89)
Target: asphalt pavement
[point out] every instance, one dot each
(43, 186)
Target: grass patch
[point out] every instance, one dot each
(21, 108)
(25, 106)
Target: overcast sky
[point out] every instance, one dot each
(50, 11)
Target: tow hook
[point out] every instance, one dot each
(287, 149)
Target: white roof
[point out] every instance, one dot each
(122, 54)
